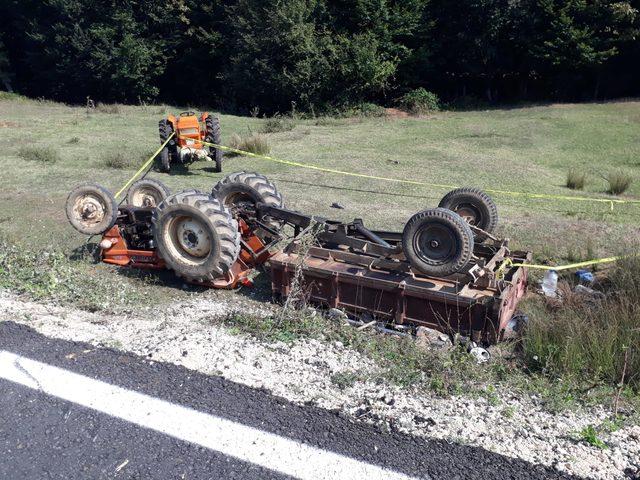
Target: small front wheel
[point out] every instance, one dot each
(91, 209)
(437, 242)
(475, 207)
(147, 192)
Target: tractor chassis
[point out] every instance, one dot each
(350, 267)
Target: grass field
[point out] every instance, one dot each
(528, 149)
(48, 148)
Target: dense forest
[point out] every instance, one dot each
(240, 54)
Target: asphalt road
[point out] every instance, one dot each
(71, 411)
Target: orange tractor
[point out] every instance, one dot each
(186, 146)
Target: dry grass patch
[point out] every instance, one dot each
(576, 180)
(619, 182)
(119, 160)
(46, 155)
(253, 142)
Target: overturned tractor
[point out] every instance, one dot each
(186, 145)
(443, 270)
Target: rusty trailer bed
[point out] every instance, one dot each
(473, 307)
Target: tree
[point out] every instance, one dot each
(110, 50)
(573, 39)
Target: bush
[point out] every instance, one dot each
(253, 142)
(589, 340)
(278, 123)
(618, 181)
(47, 155)
(576, 179)
(364, 109)
(119, 160)
(420, 101)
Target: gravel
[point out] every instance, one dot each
(302, 372)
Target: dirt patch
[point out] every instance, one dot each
(395, 113)
(4, 124)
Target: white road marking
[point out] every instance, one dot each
(225, 436)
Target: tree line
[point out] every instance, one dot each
(320, 54)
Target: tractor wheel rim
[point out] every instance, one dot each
(89, 209)
(190, 237)
(469, 213)
(435, 243)
(146, 197)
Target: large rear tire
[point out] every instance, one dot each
(147, 192)
(196, 235)
(91, 209)
(475, 207)
(437, 242)
(246, 187)
(214, 135)
(168, 152)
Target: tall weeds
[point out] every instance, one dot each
(588, 340)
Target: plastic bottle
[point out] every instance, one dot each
(550, 283)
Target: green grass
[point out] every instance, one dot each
(525, 149)
(589, 435)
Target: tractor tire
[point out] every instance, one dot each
(168, 153)
(214, 135)
(91, 209)
(474, 206)
(246, 187)
(147, 192)
(165, 160)
(196, 235)
(437, 242)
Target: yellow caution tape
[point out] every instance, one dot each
(510, 263)
(145, 165)
(610, 201)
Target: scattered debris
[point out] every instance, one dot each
(336, 314)
(481, 355)
(122, 465)
(590, 292)
(585, 276)
(550, 284)
(430, 338)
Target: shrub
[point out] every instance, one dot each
(420, 101)
(586, 339)
(39, 154)
(364, 109)
(73, 140)
(253, 142)
(576, 179)
(619, 182)
(119, 160)
(278, 123)
(111, 108)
